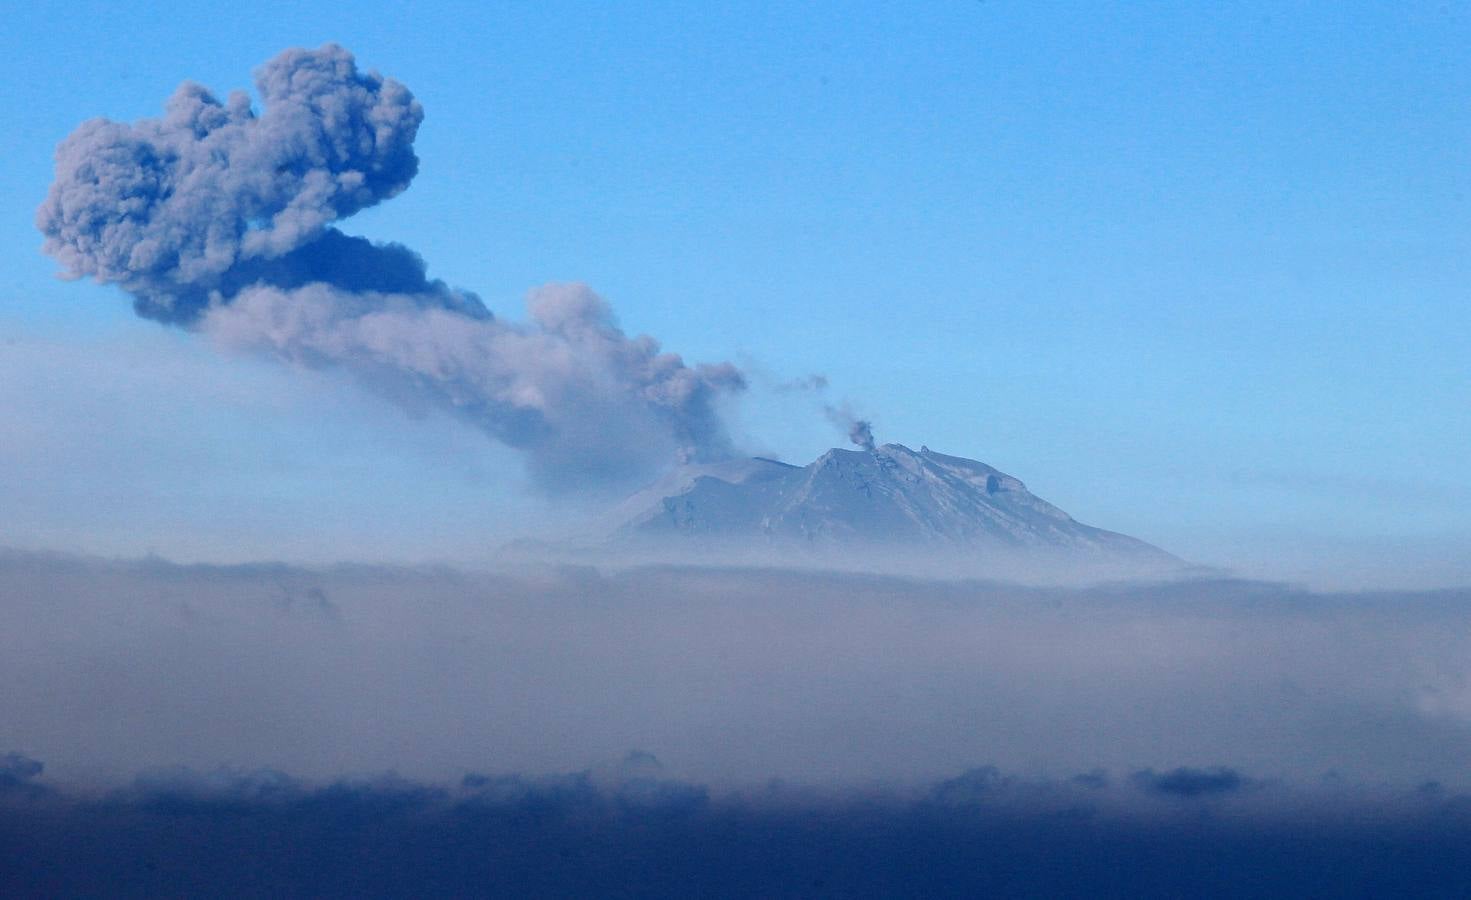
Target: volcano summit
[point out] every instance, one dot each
(881, 505)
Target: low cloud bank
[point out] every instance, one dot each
(630, 831)
(730, 676)
(801, 734)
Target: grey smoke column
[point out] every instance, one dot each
(859, 430)
(217, 219)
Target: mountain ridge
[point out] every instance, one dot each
(888, 498)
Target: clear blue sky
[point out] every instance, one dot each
(1195, 272)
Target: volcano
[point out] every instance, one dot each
(889, 503)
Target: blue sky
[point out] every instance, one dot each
(1193, 272)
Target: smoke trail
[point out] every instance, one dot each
(217, 219)
(859, 431)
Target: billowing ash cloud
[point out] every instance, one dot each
(173, 208)
(218, 219)
(859, 430)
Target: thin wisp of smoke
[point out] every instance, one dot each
(218, 219)
(858, 430)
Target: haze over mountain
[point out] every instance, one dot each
(886, 506)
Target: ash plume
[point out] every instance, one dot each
(218, 219)
(859, 430)
(816, 383)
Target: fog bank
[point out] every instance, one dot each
(730, 677)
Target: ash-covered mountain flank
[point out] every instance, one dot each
(887, 500)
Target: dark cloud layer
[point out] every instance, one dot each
(632, 832)
(18, 775)
(1187, 782)
(219, 219)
